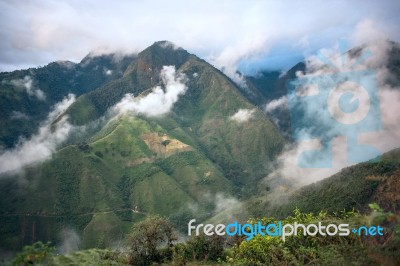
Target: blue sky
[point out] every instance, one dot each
(244, 35)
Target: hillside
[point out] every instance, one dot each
(271, 87)
(119, 168)
(209, 102)
(352, 188)
(27, 95)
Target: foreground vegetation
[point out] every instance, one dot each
(154, 241)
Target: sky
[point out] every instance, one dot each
(241, 35)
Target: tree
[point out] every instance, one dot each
(204, 247)
(166, 142)
(148, 237)
(34, 254)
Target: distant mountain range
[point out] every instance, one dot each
(105, 177)
(112, 162)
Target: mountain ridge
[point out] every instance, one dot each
(176, 164)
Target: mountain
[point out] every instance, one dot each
(27, 95)
(210, 101)
(116, 169)
(160, 132)
(355, 187)
(266, 87)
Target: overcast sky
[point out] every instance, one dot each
(250, 35)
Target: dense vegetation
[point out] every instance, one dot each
(119, 170)
(154, 241)
(352, 188)
(133, 182)
(21, 112)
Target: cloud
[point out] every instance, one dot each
(242, 115)
(158, 101)
(288, 163)
(27, 84)
(226, 208)
(368, 30)
(328, 123)
(276, 104)
(42, 145)
(168, 44)
(17, 115)
(70, 241)
(228, 60)
(37, 32)
(223, 203)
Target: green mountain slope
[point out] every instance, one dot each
(22, 112)
(110, 182)
(352, 188)
(243, 150)
(101, 182)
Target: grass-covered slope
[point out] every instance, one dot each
(22, 111)
(131, 166)
(352, 188)
(243, 150)
(129, 169)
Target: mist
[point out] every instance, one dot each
(40, 146)
(27, 84)
(158, 101)
(242, 115)
(70, 241)
(377, 133)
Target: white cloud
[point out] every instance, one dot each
(276, 104)
(27, 84)
(17, 115)
(228, 60)
(108, 72)
(384, 140)
(224, 203)
(242, 115)
(168, 44)
(158, 101)
(42, 145)
(37, 32)
(227, 208)
(288, 162)
(70, 241)
(367, 31)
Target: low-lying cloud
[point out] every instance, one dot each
(242, 115)
(158, 101)
(27, 84)
(276, 104)
(226, 207)
(17, 115)
(367, 132)
(70, 241)
(43, 144)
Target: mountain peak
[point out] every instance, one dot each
(150, 61)
(166, 45)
